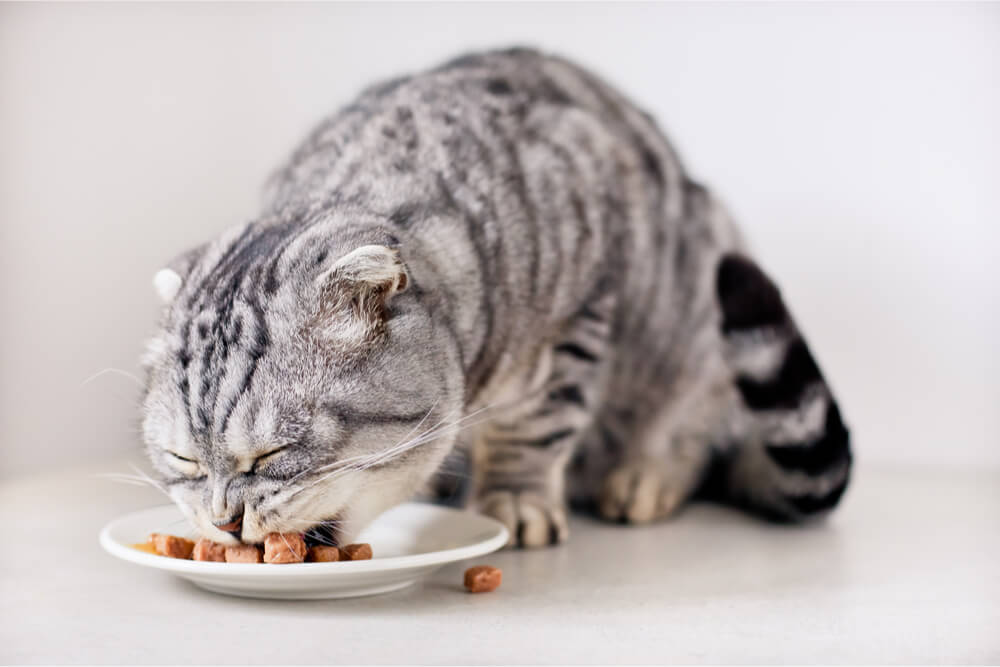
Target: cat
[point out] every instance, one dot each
(501, 256)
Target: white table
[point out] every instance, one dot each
(907, 571)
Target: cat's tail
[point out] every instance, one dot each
(791, 459)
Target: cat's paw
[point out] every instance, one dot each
(531, 520)
(640, 493)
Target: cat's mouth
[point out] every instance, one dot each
(322, 534)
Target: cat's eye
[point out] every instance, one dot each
(265, 458)
(186, 466)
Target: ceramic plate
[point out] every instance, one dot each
(409, 541)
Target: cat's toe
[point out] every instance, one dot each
(531, 520)
(638, 493)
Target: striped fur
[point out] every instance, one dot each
(504, 240)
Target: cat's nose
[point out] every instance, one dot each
(233, 526)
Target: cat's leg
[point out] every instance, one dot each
(754, 425)
(790, 456)
(521, 458)
(665, 459)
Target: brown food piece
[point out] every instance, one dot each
(284, 548)
(147, 547)
(361, 551)
(171, 545)
(322, 554)
(209, 550)
(483, 578)
(243, 553)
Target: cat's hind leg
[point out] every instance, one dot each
(754, 425)
(663, 461)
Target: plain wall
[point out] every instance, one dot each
(857, 144)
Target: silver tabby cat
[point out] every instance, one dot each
(501, 256)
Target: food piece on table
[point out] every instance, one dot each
(145, 546)
(361, 551)
(483, 578)
(171, 545)
(284, 548)
(243, 553)
(209, 550)
(322, 554)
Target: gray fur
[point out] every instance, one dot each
(536, 263)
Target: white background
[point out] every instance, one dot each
(858, 145)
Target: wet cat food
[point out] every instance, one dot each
(284, 548)
(323, 554)
(171, 545)
(243, 553)
(277, 548)
(483, 578)
(209, 550)
(356, 552)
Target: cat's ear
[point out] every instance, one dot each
(355, 291)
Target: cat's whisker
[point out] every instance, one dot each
(116, 371)
(360, 457)
(422, 440)
(431, 433)
(385, 456)
(134, 480)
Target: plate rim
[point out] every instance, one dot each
(394, 563)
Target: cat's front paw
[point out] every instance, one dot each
(531, 520)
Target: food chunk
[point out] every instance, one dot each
(209, 550)
(322, 554)
(483, 579)
(243, 553)
(171, 545)
(361, 551)
(284, 548)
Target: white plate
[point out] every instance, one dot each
(409, 542)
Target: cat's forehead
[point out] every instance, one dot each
(264, 425)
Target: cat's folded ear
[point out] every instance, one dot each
(168, 281)
(355, 292)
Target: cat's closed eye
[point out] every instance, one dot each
(186, 466)
(264, 459)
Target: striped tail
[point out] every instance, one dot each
(792, 459)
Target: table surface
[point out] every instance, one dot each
(908, 570)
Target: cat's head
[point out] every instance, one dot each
(295, 383)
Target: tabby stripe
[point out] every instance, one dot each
(260, 342)
(185, 359)
(612, 444)
(816, 457)
(211, 280)
(748, 297)
(477, 368)
(546, 441)
(575, 350)
(351, 416)
(534, 241)
(798, 371)
(568, 394)
(588, 313)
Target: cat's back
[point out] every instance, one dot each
(475, 118)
